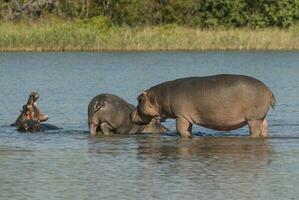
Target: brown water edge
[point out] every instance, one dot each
(145, 50)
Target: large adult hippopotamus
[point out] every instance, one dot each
(30, 111)
(220, 102)
(109, 114)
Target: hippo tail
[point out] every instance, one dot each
(272, 101)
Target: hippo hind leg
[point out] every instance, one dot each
(258, 128)
(184, 127)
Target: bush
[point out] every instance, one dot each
(225, 13)
(280, 13)
(206, 13)
(203, 13)
(102, 23)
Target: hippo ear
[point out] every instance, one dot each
(142, 96)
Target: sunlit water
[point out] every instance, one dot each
(68, 164)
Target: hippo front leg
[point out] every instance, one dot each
(106, 128)
(183, 127)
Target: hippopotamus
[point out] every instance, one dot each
(31, 111)
(35, 126)
(31, 117)
(221, 102)
(109, 114)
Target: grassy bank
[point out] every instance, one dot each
(78, 36)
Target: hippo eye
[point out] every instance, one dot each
(98, 108)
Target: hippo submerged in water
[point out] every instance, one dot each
(35, 126)
(109, 114)
(31, 111)
(31, 117)
(220, 102)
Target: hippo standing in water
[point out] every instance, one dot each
(220, 102)
(109, 114)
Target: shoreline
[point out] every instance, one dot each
(143, 50)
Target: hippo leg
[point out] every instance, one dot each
(257, 129)
(184, 127)
(264, 128)
(106, 128)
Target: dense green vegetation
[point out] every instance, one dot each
(198, 13)
(58, 25)
(57, 35)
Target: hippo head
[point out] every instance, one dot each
(31, 111)
(146, 110)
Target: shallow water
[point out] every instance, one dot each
(68, 164)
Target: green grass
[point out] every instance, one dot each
(57, 35)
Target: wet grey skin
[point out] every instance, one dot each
(29, 126)
(30, 111)
(221, 102)
(35, 126)
(109, 114)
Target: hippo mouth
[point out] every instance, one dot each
(43, 118)
(95, 129)
(33, 97)
(138, 119)
(101, 128)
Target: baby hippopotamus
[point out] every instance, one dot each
(109, 114)
(220, 102)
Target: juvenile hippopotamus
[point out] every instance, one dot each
(220, 102)
(35, 126)
(109, 114)
(30, 111)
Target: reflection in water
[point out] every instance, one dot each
(201, 146)
(209, 164)
(172, 167)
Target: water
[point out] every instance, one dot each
(68, 164)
